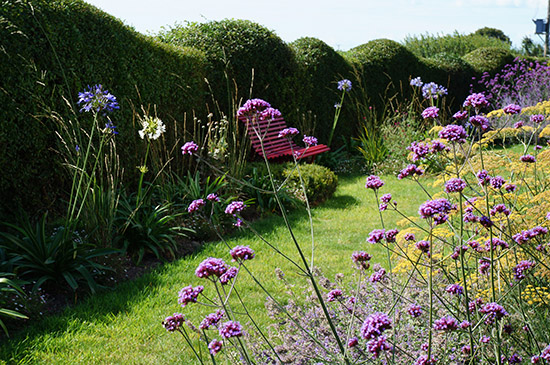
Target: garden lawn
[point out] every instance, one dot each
(124, 325)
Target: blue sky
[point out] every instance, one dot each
(343, 24)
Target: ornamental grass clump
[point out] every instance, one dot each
(462, 281)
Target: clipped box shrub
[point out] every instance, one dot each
(53, 50)
(488, 59)
(320, 182)
(236, 50)
(320, 67)
(382, 67)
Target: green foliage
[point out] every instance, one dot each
(488, 59)
(493, 33)
(382, 67)
(146, 228)
(51, 50)
(50, 257)
(320, 183)
(240, 51)
(319, 69)
(455, 44)
(529, 48)
(372, 147)
(8, 287)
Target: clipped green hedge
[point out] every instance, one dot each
(320, 182)
(54, 49)
(236, 50)
(488, 59)
(320, 67)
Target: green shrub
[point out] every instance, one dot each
(488, 59)
(320, 182)
(455, 44)
(51, 50)
(319, 69)
(236, 50)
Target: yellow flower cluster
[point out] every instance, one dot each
(541, 108)
(535, 295)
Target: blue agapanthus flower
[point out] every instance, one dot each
(97, 99)
(344, 85)
(432, 90)
(110, 128)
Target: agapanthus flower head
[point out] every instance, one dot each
(172, 323)
(215, 346)
(455, 185)
(432, 90)
(110, 128)
(195, 205)
(153, 128)
(480, 121)
(212, 319)
(446, 323)
(374, 325)
(374, 182)
(189, 295)
(310, 140)
(334, 295)
(96, 99)
(189, 148)
(242, 253)
(430, 112)
(231, 329)
(235, 207)
(417, 81)
(528, 158)
(211, 266)
(288, 132)
(344, 85)
(454, 133)
(536, 118)
(512, 109)
(476, 100)
(460, 115)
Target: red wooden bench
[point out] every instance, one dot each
(274, 146)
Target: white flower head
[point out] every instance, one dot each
(153, 127)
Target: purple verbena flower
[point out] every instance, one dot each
(430, 112)
(528, 158)
(423, 360)
(518, 125)
(454, 289)
(189, 295)
(195, 205)
(512, 109)
(353, 342)
(497, 182)
(376, 236)
(213, 198)
(493, 311)
(361, 259)
(215, 346)
(391, 234)
(189, 148)
(460, 115)
(500, 208)
(410, 170)
(334, 295)
(212, 319)
(231, 329)
(537, 118)
(376, 345)
(229, 275)
(374, 325)
(310, 141)
(288, 132)
(242, 253)
(476, 100)
(446, 323)
(480, 121)
(172, 323)
(374, 182)
(414, 310)
(455, 185)
(385, 198)
(454, 133)
(378, 275)
(234, 207)
(409, 237)
(211, 266)
(521, 268)
(423, 246)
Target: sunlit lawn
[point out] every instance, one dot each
(124, 325)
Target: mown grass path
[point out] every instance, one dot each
(124, 325)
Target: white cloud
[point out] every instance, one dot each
(533, 4)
